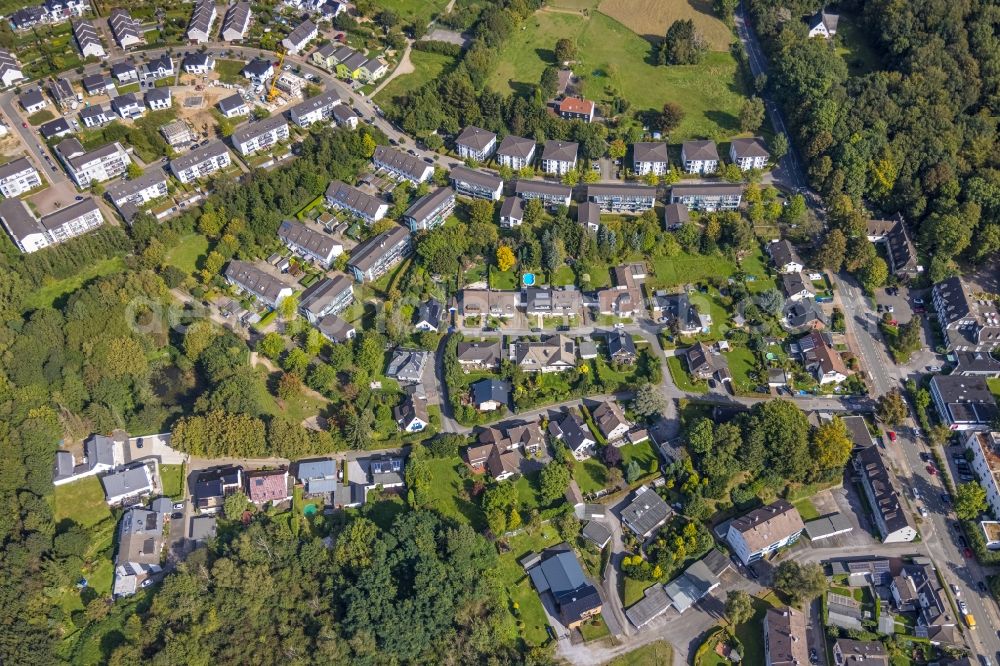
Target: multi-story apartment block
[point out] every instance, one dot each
(17, 177)
(700, 156)
(430, 210)
(476, 144)
(345, 197)
(309, 243)
(30, 233)
(249, 279)
(98, 165)
(374, 257)
(476, 184)
(260, 135)
(577, 108)
(559, 157)
(881, 488)
(650, 157)
(515, 152)
(329, 296)
(201, 162)
(964, 403)
(969, 318)
(748, 154)
(152, 184)
(402, 165)
(552, 195)
(764, 531)
(622, 198)
(711, 196)
(985, 448)
(315, 109)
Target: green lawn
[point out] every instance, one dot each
(591, 475)
(80, 501)
(172, 478)
(50, 292)
(658, 652)
(635, 590)
(806, 509)
(188, 252)
(594, 629)
(40, 117)
(855, 47)
(755, 266)
(229, 70)
(427, 67)
(524, 601)
(612, 55)
(410, 11)
(563, 277)
(687, 268)
(643, 454)
(527, 491)
(994, 384)
(593, 275)
(504, 280)
(742, 361)
(682, 378)
(129, 88)
(447, 494)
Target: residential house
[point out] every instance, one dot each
(407, 365)
(552, 195)
(823, 24)
(177, 133)
(125, 486)
(964, 403)
(201, 162)
(95, 116)
(749, 153)
(129, 106)
(268, 486)
(315, 109)
(498, 450)
(290, 84)
(318, 476)
(765, 530)
(26, 18)
(430, 210)
(822, 360)
(202, 17)
(490, 394)
(140, 546)
(968, 323)
(344, 116)
(805, 315)
(233, 106)
(96, 84)
(515, 152)
(972, 364)
(588, 215)
(212, 486)
(203, 529)
(325, 56)
(402, 165)
(60, 10)
(512, 212)
(342, 196)
(124, 73)
(916, 588)
(429, 316)
(150, 185)
(624, 299)
(61, 90)
(625, 198)
(797, 287)
(478, 355)
(88, 40)
(899, 249)
(298, 39)
(574, 433)
(159, 68)
(326, 297)
(985, 448)
(476, 184)
(259, 71)
(709, 197)
(336, 330)
(484, 303)
(373, 69)
(310, 244)
(785, 637)
(32, 100)
(696, 581)
(236, 22)
(17, 177)
(100, 454)
(31, 234)
(127, 31)
(882, 491)
(558, 573)
(610, 420)
(260, 135)
(576, 108)
(700, 156)
(374, 257)
(559, 157)
(554, 353)
(784, 256)
(198, 63)
(411, 414)
(10, 69)
(848, 652)
(646, 512)
(650, 157)
(544, 301)
(621, 348)
(681, 315)
(100, 164)
(476, 144)
(247, 278)
(158, 99)
(703, 363)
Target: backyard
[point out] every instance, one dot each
(685, 268)
(188, 252)
(447, 494)
(612, 55)
(81, 502)
(172, 480)
(526, 605)
(682, 378)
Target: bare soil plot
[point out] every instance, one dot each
(651, 18)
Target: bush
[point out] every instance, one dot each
(444, 446)
(444, 48)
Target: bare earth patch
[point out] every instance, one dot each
(651, 18)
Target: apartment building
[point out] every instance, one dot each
(342, 196)
(315, 109)
(709, 197)
(374, 257)
(98, 165)
(969, 319)
(430, 210)
(316, 246)
(552, 195)
(260, 135)
(559, 157)
(247, 278)
(623, 198)
(327, 297)
(650, 157)
(985, 447)
(402, 165)
(152, 184)
(515, 152)
(881, 488)
(201, 162)
(700, 156)
(476, 184)
(964, 403)
(17, 177)
(763, 531)
(31, 233)
(749, 153)
(475, 143)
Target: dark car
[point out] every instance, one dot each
(177, 515)
(562, 328)
(393, 142)
(428, 160)
(79, 198)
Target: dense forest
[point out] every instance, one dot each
(914, 131)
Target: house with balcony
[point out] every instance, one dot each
(708, 197)
(625, 198)
(375, 256)
(700, 156)
(650, 157)
(327, 297)
(475, 143)
(515, 152)
(559, 157)
(430, 210)
(342, 196)
(476, 184)
(201, 162)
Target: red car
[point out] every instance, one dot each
(24, 124)
(892, 435)
(967, 553)
(931, 470)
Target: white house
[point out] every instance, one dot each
(158, 99)
(700, 156)
(202, 18)
(233, 106)
(127, 31)
(512, 212)
(18, 176)
(100, 164)
(650, 157)
(201, 162)
(299, 38)
(515, 152)
(748, 154)
(236, 22)
(764, 531)
(128, 106)
(10, 69)
(198, 63)
(128, 484)
(784, 256)
(476, 144)
(32, 100)
(315, 109)
(559, 157)
(152, 184)
(88, 40)
(247, 278)
(260, 135)
(822, 24)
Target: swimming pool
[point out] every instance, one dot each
(528, 279)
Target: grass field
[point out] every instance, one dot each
(410, 11)
(854, 46)
(643, 454)
(994, 385)
(635, 590)
(659, 652)
(806, 509)
(426, 66)
(446, 494)
(687, 268)
(741, 362)
(529, 608)
(80, 501)
(505, 280)
(594, 629)
(189, 251)
(50, 292)
(651, 18)
(591, 475)
(40, 117)
(172, 478)
(229, 70)
(611, 54)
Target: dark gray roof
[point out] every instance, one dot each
(31, 97)
(85, 33)
(100, 450)
(882, 483)
(202, 528)
(430, 312)
(625, 190)
(335, 328)
(542, 187)
(134, 479)
(646, 510)
(230, 103)
(858, 431)
(123, 25)
(125, 101)
(69, 213)
(249, 276)
(427, 204)
(649, 151)
(163, 62)
(516, 146)
(125, 188)
(63, 466)
(783, 253)
(572, 430)
(397, 159)
(588, 213)
(120, 68)
(752, 147)
(976, 363)
(512, 207)
(620, 343)
(342, 113)
(835, 523)
(674, 214)
(486, 390)
(598, 533)
(257, 67)
(475, 138)
(196, 59)
(202, 16)
(71, 149)
(197, 156)
(258, 128)
(299, 234)
(236, 18)
(353, 198)
(365, 255)
(323, 292)
(317, 102)
(700, 150)
(794, 283)
(14, 167)
(316, 469)
(302, 32)
(486, 352)
(563, 151)
(461, 174)
(94, 82)
(653, 604)
(93, 111)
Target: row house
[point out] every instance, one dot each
(430, 210)
(882, 491)
(202, 18)
(483, 303)
(309, 243)
(247, 278)
(260, 135)
(327, 297)
(402, 165)
(88, 40)
(374, 257)
(98, 165)
(10, 69)
(342, 196)
(622, 198)
(236, 22)
(31, 233)
(201, 162)
(299, 38)
(126, 29)
(476, 184)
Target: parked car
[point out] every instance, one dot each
(933, 368)
(954, 590)
(932, 470)
(918, 301)
(892, 435)
(967, 553)
(925, 457)
(922, 511)
(178, 506)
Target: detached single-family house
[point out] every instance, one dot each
(703, 363)
(823, 24)
(96, 84)
(700, 156)
(158, 99)
(10, 69)
(512, 212)
(258, 70)
(128, 484)
(124, 73)
(797, 286)
(675, 216)
(576, 108)
(646, 512)
(198, 63)
(476, 144)
(558, 572)
(429, 316)
(490, 394)
(499, 448)
(574, 433)
(610, 420)
(159, 68)
(318, 476)
(268, 485)
(233, 106)
(95, 116)
(212, 486)
(821, 359)
(129, 106)
(784, 256)
(554, 353)
(411, 414)
(54, 128)
(621, 348)
(32, 100)
(478, 355)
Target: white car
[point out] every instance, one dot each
(923, 512)
(954, 590)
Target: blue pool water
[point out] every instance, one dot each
(528, 279)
